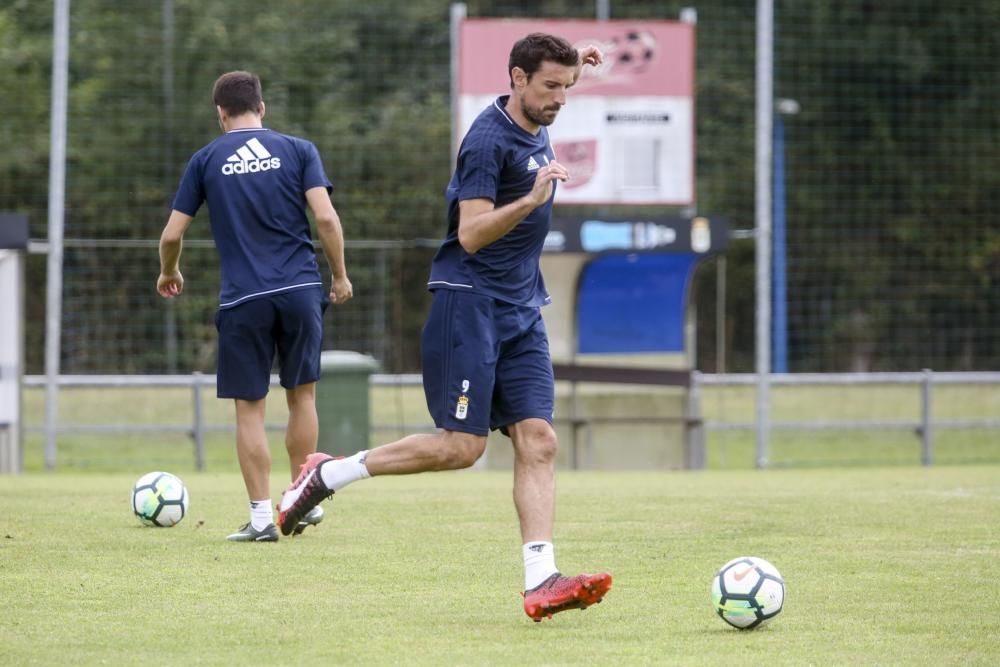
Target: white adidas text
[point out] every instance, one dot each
(250, 158)
(251, 166)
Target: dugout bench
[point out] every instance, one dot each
(582, 426)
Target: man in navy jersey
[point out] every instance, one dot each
(486, 361)
(258, 184)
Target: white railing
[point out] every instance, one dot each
(198, 427)
(923, 424)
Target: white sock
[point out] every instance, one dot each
(539, 563)
(339, 473)
(261, 514)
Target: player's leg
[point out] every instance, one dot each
(298, 338)
(253, 452)
(245, 354)
(323, 475)
(301, 437)
(535, 446)
(299, 342)
(426, 452)
(546, 590)
(458, 354)
(457, 385)
(523, 405)
(255, 463)
(302, 433)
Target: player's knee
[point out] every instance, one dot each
(546, 446)
(461, 450)
(538, 445)
(302, 396)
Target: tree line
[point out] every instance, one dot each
(892, 163)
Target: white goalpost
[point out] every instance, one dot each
(13, 242)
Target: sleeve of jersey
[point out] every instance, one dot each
(480, 161)
(313, 175)
(190, 193)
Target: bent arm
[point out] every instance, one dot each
(172, 241)
(480, 223)
(331, 235)
(171, 282)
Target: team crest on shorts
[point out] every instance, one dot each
(462, 407)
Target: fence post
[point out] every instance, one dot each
(927, 418)
(693, 427)
(588, 455)
(198, 429)
(574, 428)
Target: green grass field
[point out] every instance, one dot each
(894, 565)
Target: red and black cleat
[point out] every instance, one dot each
(305, 493)
(559, 593)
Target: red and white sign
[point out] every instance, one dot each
(626, 133)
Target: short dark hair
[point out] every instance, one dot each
(237, 93)
(530, 51)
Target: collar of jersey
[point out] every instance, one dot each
(503, 112)
(248, 129)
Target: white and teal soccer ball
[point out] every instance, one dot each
(748, 592)
(159, 499)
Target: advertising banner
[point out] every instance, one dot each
(626, 134)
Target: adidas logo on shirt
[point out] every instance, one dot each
(250, 158)
(532, 165)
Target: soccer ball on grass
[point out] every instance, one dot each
(159, 499)
(748, 592)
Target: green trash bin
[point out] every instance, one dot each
(342, 401)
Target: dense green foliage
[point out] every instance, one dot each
(893, 166)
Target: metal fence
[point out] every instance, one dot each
(198, 427)
(923, 422)
(923, 425)
(888, 187)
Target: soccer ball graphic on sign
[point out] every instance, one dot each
(748, 592)
(634, 52)
(159, 499)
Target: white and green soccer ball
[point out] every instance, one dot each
(159, 499)
(748, 592)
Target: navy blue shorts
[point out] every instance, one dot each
(288, 323)
(486, 363)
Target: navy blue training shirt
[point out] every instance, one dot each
(255, 181)
(498, 160)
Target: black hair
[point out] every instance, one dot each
(531, 51)
(237, 93)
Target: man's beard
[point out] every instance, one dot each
(537, 116)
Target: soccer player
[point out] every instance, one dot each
(257, 184)
(485, 352)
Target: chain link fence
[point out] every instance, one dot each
(891, 168)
